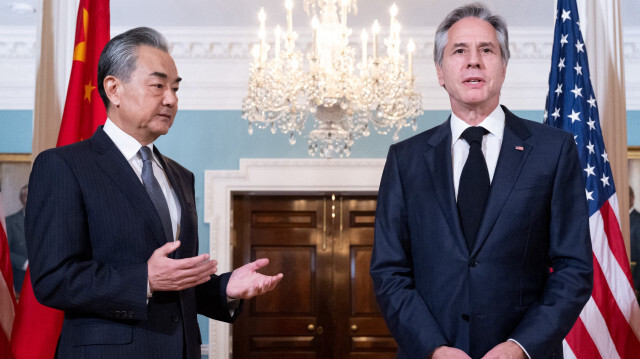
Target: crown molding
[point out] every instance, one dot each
(214, 61)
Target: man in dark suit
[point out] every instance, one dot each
(482, 245)
(17, 244)
(111, 224)
(634, 222)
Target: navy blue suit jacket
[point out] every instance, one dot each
(434, 291)
(90, 230)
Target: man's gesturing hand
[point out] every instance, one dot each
(166, 274)
(246, 283)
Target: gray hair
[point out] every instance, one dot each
(119, 56)
(481, 11)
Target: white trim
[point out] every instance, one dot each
(275, 176)
(214, 61)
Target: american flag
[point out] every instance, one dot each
(609, 325)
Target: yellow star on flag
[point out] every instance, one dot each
(87, 91)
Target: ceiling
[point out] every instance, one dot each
(243, 13)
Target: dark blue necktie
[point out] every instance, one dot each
(155, 192)
(473, 189)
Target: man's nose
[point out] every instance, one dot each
(474, 59)
(170, 97)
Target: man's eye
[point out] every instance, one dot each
(158, 86)
(458, 51)
(175, 89)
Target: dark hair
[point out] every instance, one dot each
(119, 56)
(481, 11)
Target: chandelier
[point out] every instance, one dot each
(345, 96)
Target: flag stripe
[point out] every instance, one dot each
(597, 328)
(580, 343)
(621, 288)
(626, 342)
(614, 236)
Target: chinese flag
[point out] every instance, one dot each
(36, 328)
(83, 109)
(7, 297)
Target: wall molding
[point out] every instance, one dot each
(214, 61)
(272, 176)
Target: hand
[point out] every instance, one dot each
(166, 274)
(506, 350)
(448, 353)
(246, 283)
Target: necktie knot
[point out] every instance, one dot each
(474, 134)
(145, 153)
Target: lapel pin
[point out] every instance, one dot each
(519, 148)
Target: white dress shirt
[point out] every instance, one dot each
(130, 147)
(491, 143)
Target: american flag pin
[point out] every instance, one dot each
(519, 148)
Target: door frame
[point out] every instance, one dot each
(272, 176)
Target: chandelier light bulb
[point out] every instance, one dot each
(262, 16)
(393, 11)
(411, 47)
(375, 29)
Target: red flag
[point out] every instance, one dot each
(83, 109)
(7, 297)
(36, 328)
(609, 325)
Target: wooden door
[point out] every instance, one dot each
(324, 307)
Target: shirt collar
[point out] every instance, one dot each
(128, 145)
(494, 123)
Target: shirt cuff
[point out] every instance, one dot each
(521, 347)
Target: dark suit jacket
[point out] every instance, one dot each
(434, 291)
(17, 247)
(90, 229)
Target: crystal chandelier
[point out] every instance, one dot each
(343, 102)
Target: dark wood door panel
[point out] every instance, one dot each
(294, 296)
(325, 307)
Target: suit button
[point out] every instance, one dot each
(473, 262)
(130, 314)
(175, 318)
(465, 317)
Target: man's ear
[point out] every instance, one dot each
(112, 87)
(440, 75)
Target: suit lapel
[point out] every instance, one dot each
(438, 160)
(119, 170)
(513, 154)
